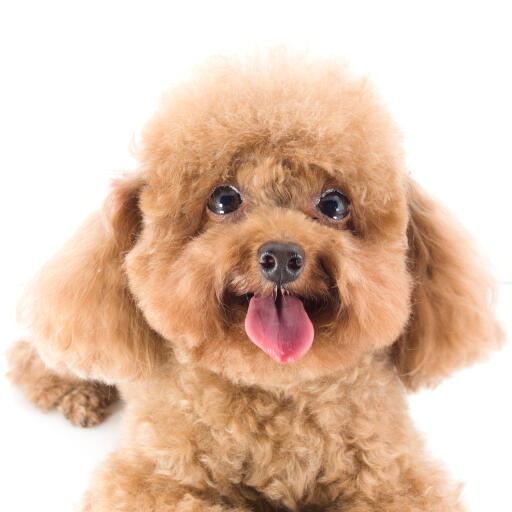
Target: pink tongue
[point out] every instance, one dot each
(280, 328)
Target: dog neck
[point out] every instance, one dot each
(371, 374)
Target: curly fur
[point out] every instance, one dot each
(149, 296)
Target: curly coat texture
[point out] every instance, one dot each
(150, 295)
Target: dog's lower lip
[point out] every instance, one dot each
(247, 297)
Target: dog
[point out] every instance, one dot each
(262, 292)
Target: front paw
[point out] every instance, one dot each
(85, 405)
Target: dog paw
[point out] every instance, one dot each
(49, 396)
(86, 404)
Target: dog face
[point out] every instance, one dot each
(275, 262)
(282, 254)
(271, 234)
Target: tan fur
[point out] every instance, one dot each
(82, 402)
(149, 296)
(452, 323)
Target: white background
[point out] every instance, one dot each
(79, 79)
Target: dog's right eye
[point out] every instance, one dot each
(224, 199)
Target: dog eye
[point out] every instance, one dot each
(224, 199)
(334, 204)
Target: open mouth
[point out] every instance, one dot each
(282, 324)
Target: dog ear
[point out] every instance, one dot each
(452, 323)
(79, 308)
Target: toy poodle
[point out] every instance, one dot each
(262, 292)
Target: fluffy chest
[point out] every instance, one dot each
(293, 449)
(283, 451)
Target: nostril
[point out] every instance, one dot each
(267, 261)
(295, 263)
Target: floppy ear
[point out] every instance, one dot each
(79, 309)
(452, 323)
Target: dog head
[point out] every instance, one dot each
(272, 234)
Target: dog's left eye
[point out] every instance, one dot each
(334, 204)
(224, 199)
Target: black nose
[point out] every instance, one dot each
(281, 262)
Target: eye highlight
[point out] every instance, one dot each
(224, 199)
(334, 204)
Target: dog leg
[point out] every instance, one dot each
(134, 486)
(414, 491)
(83, 402)
(400, 504)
